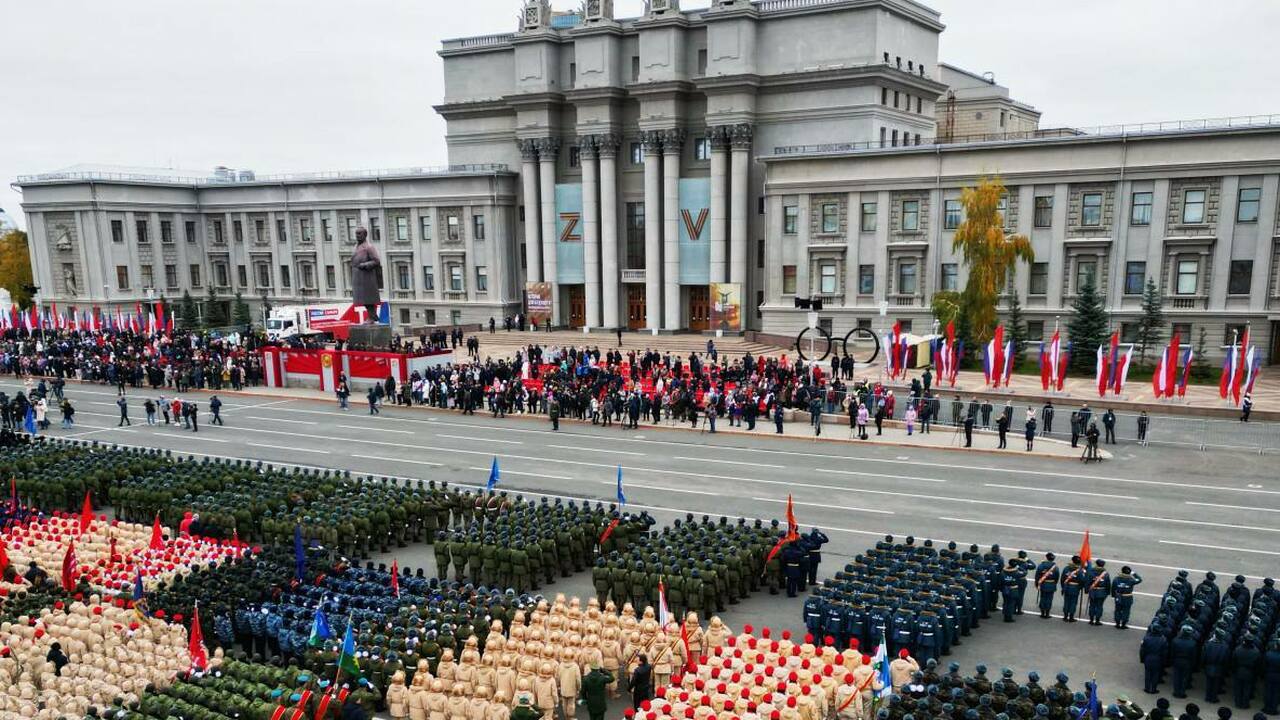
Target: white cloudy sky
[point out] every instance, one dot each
(283, 85)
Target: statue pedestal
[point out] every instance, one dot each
(370, 337)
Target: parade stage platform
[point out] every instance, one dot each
(321, 368)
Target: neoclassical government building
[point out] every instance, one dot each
(795, 149)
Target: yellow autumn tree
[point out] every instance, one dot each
(15, 267)
(989, 254)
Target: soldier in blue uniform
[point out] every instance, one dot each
(1046, 579)
(1122, 591)
(793, 567)
(1098, 588)
(1009, 588)
(1072, 581)
(1153, 654)
(1183, 654)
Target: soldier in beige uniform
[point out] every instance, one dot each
(546, 696)
(569, 680)
(398, 697)
(437, 702)
(901, 669)
(456, 706)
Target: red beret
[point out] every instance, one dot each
(853, 643)
(688, 712)
(792, 677)
(805, 663)
(848, 677)
(747, 629)
(866, 659)
(644, 705)
(903, 653)
(728, 705)
(791, 702)
(733, 641)
(629, 712)
(722, 688)
(786, 634)
(775, 715)
(764, 633)
(828, 640)
(706, 700)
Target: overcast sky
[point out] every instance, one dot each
(297, 85)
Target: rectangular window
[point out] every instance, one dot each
(307, 276)
(907, 277)
(1091, 209)
(637, 153)
(1193, 207)
(952, 212)
(351, 229)
(868, 221)
(402, 228)
(1043, 216)
(263, 271)
(1183, 330)
(284, 277)
(375, 229)
(220, 274)
(701, 149)
(455, 231)
(122, 277)
(575, 157)
(884, 96)
(1039, 282)
(1241, 278)
(259, 231)
(117, 231)
(1141, 212)
(326, 230)
(304, 227)
(895, 98)
(148, 277)
(827, 278)
(429, 317)
(894, 135)
(830, 217)
(1247, 205)
(141, 226)
(1035, 330)
(635, 68)
(702, 62)
(866, 279)
(1135, 276)
(635, 235)
(189, 228)
(950, 279)
(1129, 332)
(171, 276)
(330, 277)
(906, 324)
(217, 232)
(790, 219)
(482, 278)
(428, 278)
(760, 255)
(404, 279)
(1002, 207)
(404, 316)
(282, 232)
(788, 279)
(455, 278)
(1188, 282)
(237, 230)
(242, 276)
(424, 229)
(1086, 274)
(1232, 334)
(194, 272)
(166, 232)
(477, 227)
(910, 215)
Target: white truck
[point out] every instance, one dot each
(333, 320)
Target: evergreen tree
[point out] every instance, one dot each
(1200, 363)
(1087, 328)
(1015, 326)
(188, 313)
(1151, 324)
(214, 316)
(240, 311)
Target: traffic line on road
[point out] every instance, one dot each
(877, 475)
(285, 447)
(829, 506)
(1220, 547)
(1064, 492)
(665, 489)
(599, 450)
(366, 428)
(480, 439)
(728, 462)
(1235, 507)
(281, 420)
(401, 460)
(525, 474)
(1020, 527)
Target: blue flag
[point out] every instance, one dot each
(299, 553)
(494, 476)
(29, 423)
(319, 629)
(347, 657)
(622, 499)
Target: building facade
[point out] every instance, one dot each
(1191, 208)
(106, 240)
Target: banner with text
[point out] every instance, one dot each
(726, 307)
(695, 231)
(569, 266)
(538, 301)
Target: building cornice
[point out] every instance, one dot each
(660, 89)
(534, 100)
(605, 92)
(472, 109)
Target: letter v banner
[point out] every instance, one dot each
(695, 231)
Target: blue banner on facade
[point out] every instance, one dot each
(569, 265)
(695, 231)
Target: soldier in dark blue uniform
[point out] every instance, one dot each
(1183, 653)
(792, 567)
(816, 539)
(1009, 588)
(1153, 654)
(1214, 659)
(1025, 566)
(1098, 587)
(1122, 592)
(1046, 579)
(1072, 581)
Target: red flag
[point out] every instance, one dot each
(86, 513)
(160, 315)
(195, 646)
(793, 530)
(689, 664)
(157, 534)
(1086, 553)
(4, 557)
(1171, 367)
(395, 577)
(69, 568)
(1239, 370)
(609, 530)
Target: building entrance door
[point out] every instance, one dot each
(635, 307)
(699, 308)
(577, 306)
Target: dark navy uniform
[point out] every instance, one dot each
(1047, 575)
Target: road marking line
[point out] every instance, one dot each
(727, 462)
(400, 460)
(282, 420)
(1219, 547)
(879, 475)
(1065, 492)
(1021, 527)
(479, 439)
(665, 489)
(599, 450)
(366, 428)
(827, 505)
(525, 474)
(285, 447)
(1234, 507)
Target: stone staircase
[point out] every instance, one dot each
(504, 344)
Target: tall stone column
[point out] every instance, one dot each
(611, 279)
(719, 139)
(672, 144)
(532, 224)
(741, 139)
(590, 228)
(547, 149)
(653, 230)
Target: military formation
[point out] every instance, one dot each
(1232, 638)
